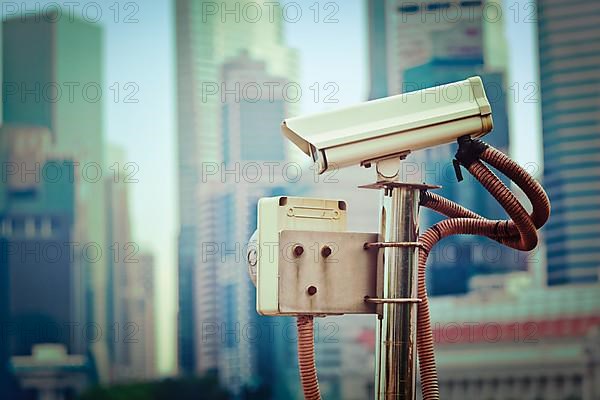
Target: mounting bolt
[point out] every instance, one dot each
(326, 251)
(252, 257)
(311, 290)
(298, 250)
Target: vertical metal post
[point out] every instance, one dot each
(396, 356)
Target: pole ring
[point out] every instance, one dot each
(376, 300)
(379, 245)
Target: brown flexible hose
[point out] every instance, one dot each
(519, 232)
(306, 357)
(527, 235)
(532, 189)
(446, 207)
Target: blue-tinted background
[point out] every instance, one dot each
(137, 137)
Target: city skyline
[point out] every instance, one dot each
(51, 48)
(305, 37)
(71, 211)
(129, 124)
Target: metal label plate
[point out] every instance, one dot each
(316, 283)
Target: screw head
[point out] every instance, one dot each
(326, 251)
(311, 290)
(252, 257)
(298, 250)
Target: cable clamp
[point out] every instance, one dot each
(469, 151)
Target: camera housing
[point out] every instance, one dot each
(391, 126)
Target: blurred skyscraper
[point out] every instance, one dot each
(131, 283)
(405, 34)
(52, 77)
(1, 67)
(569, 37)
(377, 23)
(417, 30)
(37, 217)
(209, 34)
(517, 342)
(250, 349)
(139, 331)
(41, 280)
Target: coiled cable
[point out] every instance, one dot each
(518, 232)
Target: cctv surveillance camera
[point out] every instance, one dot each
(392, 126)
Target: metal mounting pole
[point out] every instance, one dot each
(396, 357)
(397, 275)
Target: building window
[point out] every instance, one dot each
(30, 227)
(6, 227)
(408, 9)
(46, 227)
(437, 6)
(470, 4)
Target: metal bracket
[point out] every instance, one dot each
(327, 272)
(331, 272)
(384, 301)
